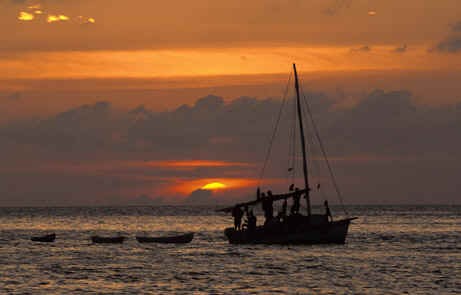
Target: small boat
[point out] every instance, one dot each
(107, 240)
(179, 239)
(44, 239)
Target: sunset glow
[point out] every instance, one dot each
(214, 186)
(212, 62)
(25, 16)
(187, 186)
(194, 164)
(56, 18)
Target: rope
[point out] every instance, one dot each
(292, 145)
(274, 133)
(324, 154)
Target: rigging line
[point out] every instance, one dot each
(322, 148)
(266, 159)
(292, 142)
(295, 142)
(312, 149)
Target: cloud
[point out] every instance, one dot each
(34, 12)
(364, 48)
(200, 197)
(336, 6)
(217, 131)
(51, 18)
(387, 130)
(451, 43)
(25, 16)
(86, 20)
(401, 49)
(456, 27)
(18, 2)
(11, 96)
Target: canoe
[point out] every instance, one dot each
(107, 240)
(179, 239)
(44, 239)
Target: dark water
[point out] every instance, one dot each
(390, 250)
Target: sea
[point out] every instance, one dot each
(389, 250)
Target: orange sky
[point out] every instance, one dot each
(213, 62)
(164, 54)
(207, 38)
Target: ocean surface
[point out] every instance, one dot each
(389, 250)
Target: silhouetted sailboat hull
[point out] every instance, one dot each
(180, 239)
(327, 233)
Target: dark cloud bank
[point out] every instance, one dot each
(451, 43)
(386, 149)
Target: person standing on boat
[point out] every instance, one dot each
(327, 211)
(282, 214)
(268, 207)
(263, 203)
(296, 198)
(237, 213)
(251, 221)
(270, 204)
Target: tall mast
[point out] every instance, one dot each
(303, 143)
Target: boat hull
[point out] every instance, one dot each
(44, 239)
(181, 239)
(107, 240)
(305, 233)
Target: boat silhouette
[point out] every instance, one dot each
(177, 239)
(44, 239)
(107, 240)
(295, 228)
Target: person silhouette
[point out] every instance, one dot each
(327, 210)
(296, 198)
(237, 213)
(268, 207)
(251, 221)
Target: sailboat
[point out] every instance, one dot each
(294, 228)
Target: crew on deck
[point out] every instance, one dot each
(251, 220)
(237, 213)
(267, 206)
(283, 213)
(296, 204)
(327, 210)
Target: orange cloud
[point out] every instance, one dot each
(25, 16)
(35, 6)
(194, 164)
(86, 20)
(56, 18)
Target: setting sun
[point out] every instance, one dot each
(214, 186)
